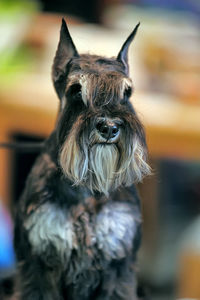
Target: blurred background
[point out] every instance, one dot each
(165, 68)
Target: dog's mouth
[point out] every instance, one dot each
(97, 139)
(107, 143)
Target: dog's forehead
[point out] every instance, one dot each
(94, 63)
(99, 77)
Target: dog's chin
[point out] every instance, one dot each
(103, 167)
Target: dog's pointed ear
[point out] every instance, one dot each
(65, 51)
(123, 53)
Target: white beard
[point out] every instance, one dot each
(103, 167)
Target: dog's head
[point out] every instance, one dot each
(101, 140)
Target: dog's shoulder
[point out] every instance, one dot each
(37, 185)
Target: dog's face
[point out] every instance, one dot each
(101, 141)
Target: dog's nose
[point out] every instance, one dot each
(107, 129)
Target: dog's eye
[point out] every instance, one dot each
(75, 91)
(127, 94)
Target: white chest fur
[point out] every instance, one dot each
(113, 230)
(50, 225)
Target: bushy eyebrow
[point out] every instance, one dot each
(103, 87)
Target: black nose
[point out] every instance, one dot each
(107, 129)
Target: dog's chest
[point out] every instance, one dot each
(110, 232)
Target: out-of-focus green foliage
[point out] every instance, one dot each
(14, 8)
(15, 57)
(12, 63)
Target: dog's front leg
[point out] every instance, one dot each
(118, 284)
(43, 243)
(37, 282)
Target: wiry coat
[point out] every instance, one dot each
(78, 225)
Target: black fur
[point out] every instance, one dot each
(56, 212)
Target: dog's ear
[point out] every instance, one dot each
(65, 51)
(123, 53)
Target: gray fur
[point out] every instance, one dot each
(113, 232)
(50, 225)
(115, 229)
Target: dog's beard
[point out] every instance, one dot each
(103, 167)
(103, 160)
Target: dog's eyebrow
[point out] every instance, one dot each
(114, 84)
(125, 84)
(81, 79)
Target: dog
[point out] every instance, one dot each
(78, 224)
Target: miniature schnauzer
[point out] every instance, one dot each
(78, 225)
